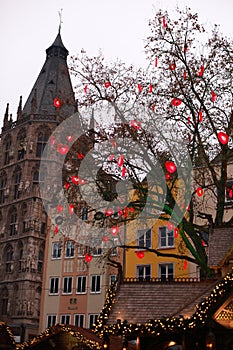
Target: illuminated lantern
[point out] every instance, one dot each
(230, 193)
(185, 265)
(114, 230)
(150, 88)
(199, 191)
(189, 120)
(105, 239)
(200, 115)
(139, 87)
(59, 208)
(176, 232)
(107, 84)
(85, 89)
(125, 212)
(82, 182)
(75, 179)
(164, 22)
(172, 66)
(170, 226)
(57, 102)
(156, 62)
(201, 71)
(185, 74)
(136, 125)
(167, 176)
(132, 210)
(176, 102)
(62, 149)
(120, 161)
(213, 96)
(71, 209)
(123, 172)
(70, 138)
(88, 258)
(170, 166)
(67, 185)
(120, 211)
(140, 255)
(223, 138)
(80, 156)
(56, 229)
(109, 212)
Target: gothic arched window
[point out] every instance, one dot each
(3, 182)
(40, 261)
(42, 140)
(4, 301)
(7, 150)
(22, 143)
(13, 221)
(9, 259)
(17, 183)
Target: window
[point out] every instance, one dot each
(144, 272)
(67, 285)
(20, 259)
(81, 284)
(65, 319)
(41, 143)
(114, 247)
(96, 251)
(51, 320)
(7, 151)
(69, 249)
(40, 261)
(2, 189)
(9, 260)
(92, 319)
(54, 285)
(82, 250)
(166, 272)
(79, 320)
(17, 185)
(112, 279)
(13, 222)
(56, 250)
(84, 213)
(95, 283)
(4, 301)
(166, 237)
(144, 238)
(229, 191)
(35, 180)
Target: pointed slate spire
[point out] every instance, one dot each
(6, 116)
(19, 111)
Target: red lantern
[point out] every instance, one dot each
(139, 87)
(132, 210)
(59, 208)
(176, 232)
(150, 88)
(185, 265)
(109, 212)
(199, 191)
(52, 140)
(70, 138)
(123, 172)
(105, 239)
(75, 179)
(170, 166)
(170, 226)
(67, 185)
(136, 125)
(185, 74)
(57, 102)
(62, 149)
(85, 89)
(167, 176)
(140, 255)
(71, 209)
(201, 71)
(82, 182)
(176, 102)
(172, 66)
(156, 62)
(120, 161)
(152, 107)
(114, 230)
(107, 84)
(164, 22)
(125, 212)
(80, 156)
(223, 138)
(200, 115)
(56, 229)
(213, 96)
(189, 120)
(88, 258)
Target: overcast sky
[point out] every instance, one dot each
(118, 27)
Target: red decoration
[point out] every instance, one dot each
(230, 193)
(150, 88)
(185, 264)
(170, 226)
(59, 208)
(109, 212)
(52, 140)
(176, 102)
(189, 119)
(105, 238)
(199, 191)
(223, 138)
(107, 84)
(185, 74)
(57, 102)
(170, 166)
(200, 116)
(213, 96)
(172, 66)
(56, 229)
(139, 87)
(132, 210)
(185, 48)
(136, 125)
(70, 138)
(67, 185)
(125, 212)
(82, 182)
(152, 107)
(140, 255)
(176, 232)
(120, 161)
(85, 89)
(120, 211)
(111, 157)
(71, 209)
(156, 62)
(88, 258)
(62, 149)
(123, 172)
(201, 71)
(114, 230)
(167, 176)
(75, 179)
(164, 22)
(113, 143)
(80, 156)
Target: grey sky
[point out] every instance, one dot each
(28, 27)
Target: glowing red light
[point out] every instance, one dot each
(201, 71)
(132, 210)
(70, 138)
(67, 185)
(170, 166)
(223, 138)
(62, 149)
(85, 89)
(150, 89)
(156, 62)
(140, 255)
(176, 102)
(56, 229)
(152, 107)
(199, 191)
(135, 124)
(176, 232)
(189, 120)
(105, 239)
(213, 96)
(123, 172)
(185, 74)
(71, 209)
(114, 230)
(82, 182)
(185, 265)
(88, 258)
(139, 87)
(167, 176)
(57, 102)
(107, 84)
(120, 161)
(200, 116)
(170, 226)
(172, 66)
(75, 179)
(164, 23)
(80, 156)
(59, 208)
(109, 212)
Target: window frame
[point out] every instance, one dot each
(68, 285)
(145, 276)
(52, 322)
(67, 317)
(167, 277)
(166, 238)
(54, 285)
(69, 251)
(78, 324)
(83, 277)
(94, 316)
(230, 200)
(94, 283)
(141, 237)
(59, 250)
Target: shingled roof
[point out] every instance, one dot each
(220, 243)
(138, 302)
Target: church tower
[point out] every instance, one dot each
(23, 219)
